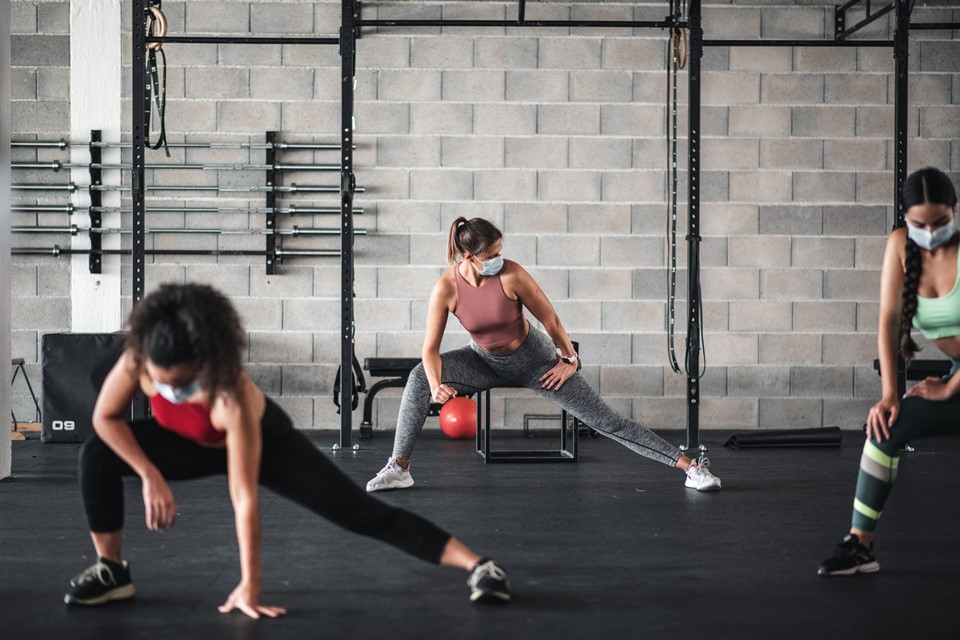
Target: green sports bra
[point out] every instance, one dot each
(940, 317)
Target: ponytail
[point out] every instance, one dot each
(454, 248)
(470, 236)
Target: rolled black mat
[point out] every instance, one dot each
(824, 437)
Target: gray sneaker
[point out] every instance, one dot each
(699, 476)
(392, 476)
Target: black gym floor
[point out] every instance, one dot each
(612, 547)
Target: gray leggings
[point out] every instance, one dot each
(471, 369)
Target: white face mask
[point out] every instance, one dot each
(491, 267)
(931, 240)
(177, 395)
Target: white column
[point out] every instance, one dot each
(95, 104)
(5, 234)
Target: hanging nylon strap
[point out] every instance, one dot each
(158, 84)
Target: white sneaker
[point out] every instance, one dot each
(699, 476)
(392, 476)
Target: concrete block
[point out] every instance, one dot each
(605, 348)
(447, 184)
(633, 54)
(731, 88)
(406, 282)
(217, 17)
(729, 283)
(219, 82)
(866, 383)
(855, 154)
(795, 348)
(47, 116)
(758, 251)
(408, 151)
(537, 86)
(491, 211)
(729, 22)
(249, 55)
(633, 120)
(633, 186)
(846, 414)
(824, 186)
(730, 219)
(824, 315)
(53, 83)
(601, 86)
(39, 51)
(403, 11)
(631, 380)
(791, 153)
(383, 315)
(281, 17)
(578, 316)
(410, 85)
(568, 119)
(23, 344)
(23, 280)
(821, 382)
(762, 381)
(731, 349)
(849, 348)
(311, 315)
(877, 122)
(443, 118)
(232, 280)
(855, 89)
(790, 413)
(281, 84)
(874, 188)
(728, 413)
(46, 315)
(868, 316)
(506, 53)
(568, 250)
(782, 22)
(472, 151)
(632, 316)
(448, 52)
(869, 252)
(600, 284)
(713, 381)
(659, 413)
(790, 284)
(505, 185)
(23, 18)
(750, 315)
(760, 186)
(534, 217)
(474, 85)
(554, 282)
(505, 119)
(939, 122)
(371, 117)
(729, 154)
(631, 251)
(792, 88)
(922, 153)
(599, 218)
(601, 11)
(537, 152)
(761, 121)
(258, 314)
(23, 83)
(822, 252)
(854, 220)
(821, 122)
(568, 186)
(941, 55)
(845, 284)
(651, 284)
(248, 116)
(763, 59)
(300, 409)
(925, 89)
(383, 249)
(568, 53)
(294, 282)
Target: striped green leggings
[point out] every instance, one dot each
(918, 419)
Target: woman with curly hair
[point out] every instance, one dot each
(184, 351)
(919, 287)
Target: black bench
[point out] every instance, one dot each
(922, 369)
(397, 370)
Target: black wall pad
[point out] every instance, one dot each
(825, 437)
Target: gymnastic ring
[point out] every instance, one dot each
(678, 44)
(156, 17)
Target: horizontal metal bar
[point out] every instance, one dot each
(293, 188)
(798, 43)
(56, 251)
(935, 26)
(241, 40)
(57, 166)
(63, 144)
(871, 17)
(71, 209)
(294, 231)
(639, 24)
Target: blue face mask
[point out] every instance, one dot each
(177, 395)
(931, 240)
(492, 266)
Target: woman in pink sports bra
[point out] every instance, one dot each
(184, 350)
(487, 294)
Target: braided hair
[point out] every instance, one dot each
(189, 324)
(471, 236)
(926, 186)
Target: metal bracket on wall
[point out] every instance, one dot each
(96, 201)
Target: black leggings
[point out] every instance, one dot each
(290, 466)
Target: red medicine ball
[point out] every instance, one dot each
(458, 418)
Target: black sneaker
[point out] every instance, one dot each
(850, 557)
(489, 582)
(100, 583)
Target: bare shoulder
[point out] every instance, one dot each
(514, 271)
(445, 287)
(897, 243)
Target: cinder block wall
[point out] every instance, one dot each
(556, 135)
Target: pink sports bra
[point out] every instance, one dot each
(493, 319)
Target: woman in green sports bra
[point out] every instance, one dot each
(919, 287)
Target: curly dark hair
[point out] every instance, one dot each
(189, 324)
(928, 185)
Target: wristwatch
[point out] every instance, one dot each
(568, 359)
